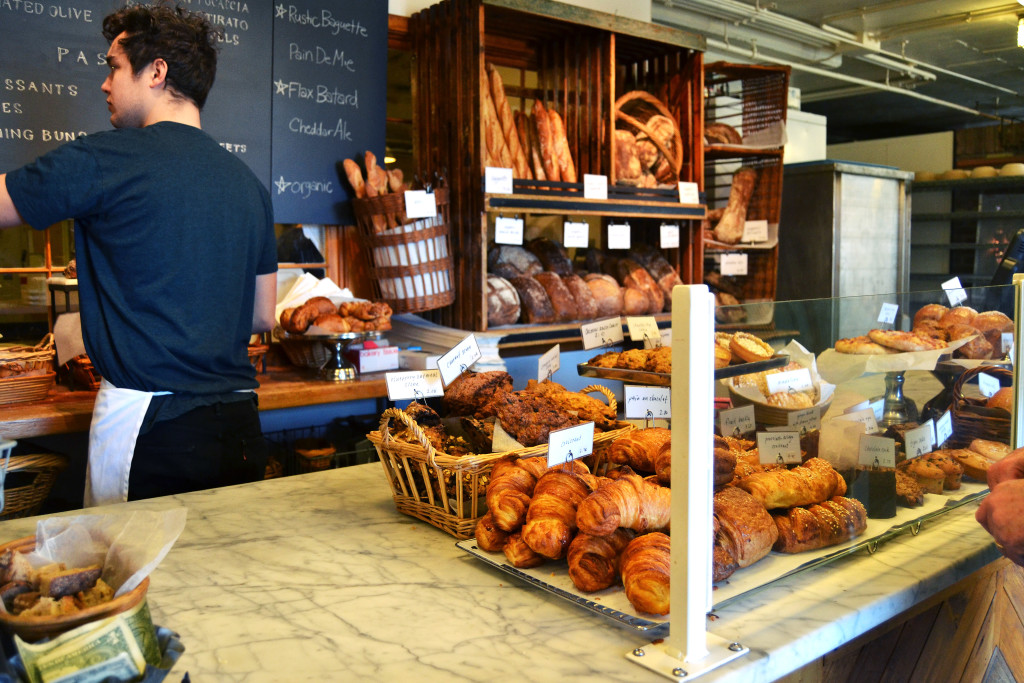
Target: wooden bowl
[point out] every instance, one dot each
(32, 629)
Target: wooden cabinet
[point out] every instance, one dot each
(574, 60)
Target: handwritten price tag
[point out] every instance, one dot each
(571, 443)
(669, 236)
(595, 186)
(866, 417)
(414, 384)
(420, 204)
(779, 447)
(734, 264)
(920, 440)
(602, 333)
(618, 236)
(793, 380)
(459, 359)
(987, 384)
(876, 451)
(954, 291)
(806, 420)
(943, 428)
(755, 231)
(887, 316)
(508, 230)
(498, 180)
(549, 363)
(647, 402)
(689, 193)
(737, 421)
(575, 234)
(643, 328)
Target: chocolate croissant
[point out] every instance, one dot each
(819, 526)
(646, 567)
(629, 502)
(594, 560)
(813, 482)
(551, 518)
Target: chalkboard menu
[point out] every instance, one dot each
(299, 87)
(330, 87)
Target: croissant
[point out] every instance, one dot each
(551, 518)
(646, 566)
(821, 525)
(519, 554)
(488, 536)
(638, 448)
(594, 560)
(510, 489)
(745, 528)
(628, 502)
(806, 484)
(663, 464)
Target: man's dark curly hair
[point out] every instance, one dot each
(183, 39)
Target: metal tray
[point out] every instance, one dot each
(664, 379)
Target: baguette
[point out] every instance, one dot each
(355, 178)
(566, 169)
(520, 167)
(528, 135)
(546, 141)
(494, 139)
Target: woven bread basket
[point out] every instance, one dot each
(971, 419)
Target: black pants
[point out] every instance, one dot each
(216, 445)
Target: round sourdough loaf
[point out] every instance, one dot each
(502, 302)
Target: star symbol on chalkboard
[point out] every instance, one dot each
(281, 11)
(281, 86)
(281, 184)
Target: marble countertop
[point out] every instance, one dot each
(318, 578)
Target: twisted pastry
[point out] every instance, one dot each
(812, 482)
(594, 560)
(821, 525)
(646, 566)
(629, 502)
(551, 518)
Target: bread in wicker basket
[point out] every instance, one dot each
(647, 140)
(971, 418)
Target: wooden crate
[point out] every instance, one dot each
(574, 60)
(765, 202)
(753, 99)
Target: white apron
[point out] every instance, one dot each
(116, 420)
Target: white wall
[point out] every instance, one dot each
(931, 152)
(633, 9)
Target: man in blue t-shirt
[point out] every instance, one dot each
(177, 266)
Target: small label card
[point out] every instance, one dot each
(737, 421)
(669, 236)
(878, 407)
(618, 235)
(876, 451)
(413, 384)
(565, 445)
(987, 384)
(779, 447)
(733, 264)
(1006, 343)
(549, 363)
(666, 336)
(497, 180)
(643, 328)
(420, 204)
(943, 428)
(954, 291)
(793, 380)
(647, 402)
(887, 316)
(689, 193)
(595, 186)
(602, 333)
(508, 230)
(576, 234)
(459, 359)
(755, 231)
(806, 420)
(866, 417)
(920, 440)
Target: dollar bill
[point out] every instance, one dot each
(120, 668)
(81, 649)
(141, 623)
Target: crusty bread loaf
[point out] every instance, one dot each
(521, 259)
(534, 303)
(628, 168)
(722, 134)
(930, 312)
(494, 138)
(561, 298)
(607, 293)
(632, 274)
(635, 301)
(520, 167)
(552, 255)
(993, 324)
(730, 228)
(528, 136)
(546, 140)
(566, 167)
(502, 302)
(586, 304)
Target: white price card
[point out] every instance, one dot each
(618, 236)
(669, 236)
(602, 333)
(497, 180)
(413, 384)
(666, 336)
(943, 428)
(878, 407)
(549, 363)
(987, 384)
(647, 402)
(866, 417)
(876, 451)
(576, 234)
(792, 380)
(595, 186)
(689, 193)
(571, 443)
(459, 359)
(755, 231)
(642, 328)
(887, 314)
(420, 204)
(737, 421)
(508, 230)
(954, 291)
(806, 420)
(920, 440)
(733, 264)
(1006, 343)
(781, 448)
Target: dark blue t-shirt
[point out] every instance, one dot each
(171, 231)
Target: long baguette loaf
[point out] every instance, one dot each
(520, 167)
(566, 168)
(730, 228)
(813, 482)
(546, 140)
(820, 526)
(494, 139)
(528, 136)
